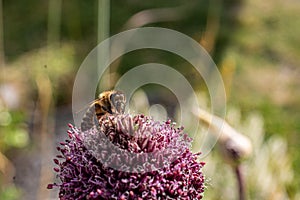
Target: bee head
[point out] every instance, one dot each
(118, 101)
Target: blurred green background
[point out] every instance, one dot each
(255, 44)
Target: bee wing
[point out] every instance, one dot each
(86, 106)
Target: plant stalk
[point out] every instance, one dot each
(240, 182)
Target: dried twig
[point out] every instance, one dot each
(234, 146)
(6, 168)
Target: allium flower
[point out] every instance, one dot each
(128, 157)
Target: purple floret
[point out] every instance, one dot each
(128, 157)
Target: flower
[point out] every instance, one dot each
(128, 157)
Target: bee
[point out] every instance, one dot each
(108, 103)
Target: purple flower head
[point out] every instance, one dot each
(128, 157)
